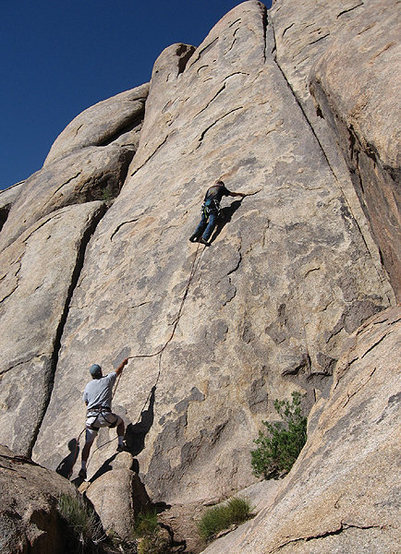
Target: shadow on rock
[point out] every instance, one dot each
(104, 468)
(66, 466)
(225, 217)
(135, 433)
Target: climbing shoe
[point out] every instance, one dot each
(193, 238)
(121, 448)
(82, 473)
(203, 241)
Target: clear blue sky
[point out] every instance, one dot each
(58, 58)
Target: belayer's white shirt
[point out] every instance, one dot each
(99, 392)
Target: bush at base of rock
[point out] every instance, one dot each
(278, 451)
(82, 521)
(152, 539)
(237, 510)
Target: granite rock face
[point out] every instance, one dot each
(96, 266)
(49, 220)
(38, 272)
(348, 55)
(29, 521)
(359, 102)
(342, 495)
(262, 312)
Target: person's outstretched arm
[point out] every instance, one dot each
(121, 366)
(242, 194)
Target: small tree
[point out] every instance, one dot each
(277, 451)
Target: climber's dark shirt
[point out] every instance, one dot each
(216, 192)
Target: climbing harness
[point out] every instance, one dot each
(210, 205)
(95, 413)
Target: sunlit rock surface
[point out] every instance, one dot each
(96, 266)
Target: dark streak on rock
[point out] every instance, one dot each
(236, 266)
(318, 39)
(13, 366)
(343, 527)
(205, 49)
(349, 10)
(151, 155)
(121, 225)
(265, 23)
(215, 123)
(287, 29)
(374, 346)
(212, 99)
(66, 183)
(234, 22)
(234, 40)
(184, 53)
(349, 396)
(127, 126)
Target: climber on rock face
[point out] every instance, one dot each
(210, 211)
(97, 396)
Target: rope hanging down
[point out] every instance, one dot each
(194, 267)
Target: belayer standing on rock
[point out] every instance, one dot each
(97, 396)
(210, 211)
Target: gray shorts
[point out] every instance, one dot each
(95, 422)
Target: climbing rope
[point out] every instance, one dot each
(194, 267)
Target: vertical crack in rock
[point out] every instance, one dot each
(310, 125)
(300, 106)
(265, 24)
(4, 215)
(60, 328)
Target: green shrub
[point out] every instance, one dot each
(277, 451)
(146, 523)
(81, 519)
(147, 530)
(216, 519)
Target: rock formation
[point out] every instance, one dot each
(342, 493)
(29, 521)
(96, 265)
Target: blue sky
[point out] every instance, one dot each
(58, 58)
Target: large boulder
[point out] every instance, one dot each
(342, 494)
(29, 519)
(118, 496)
(220, 332)
(42, 247)
(116, 118)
